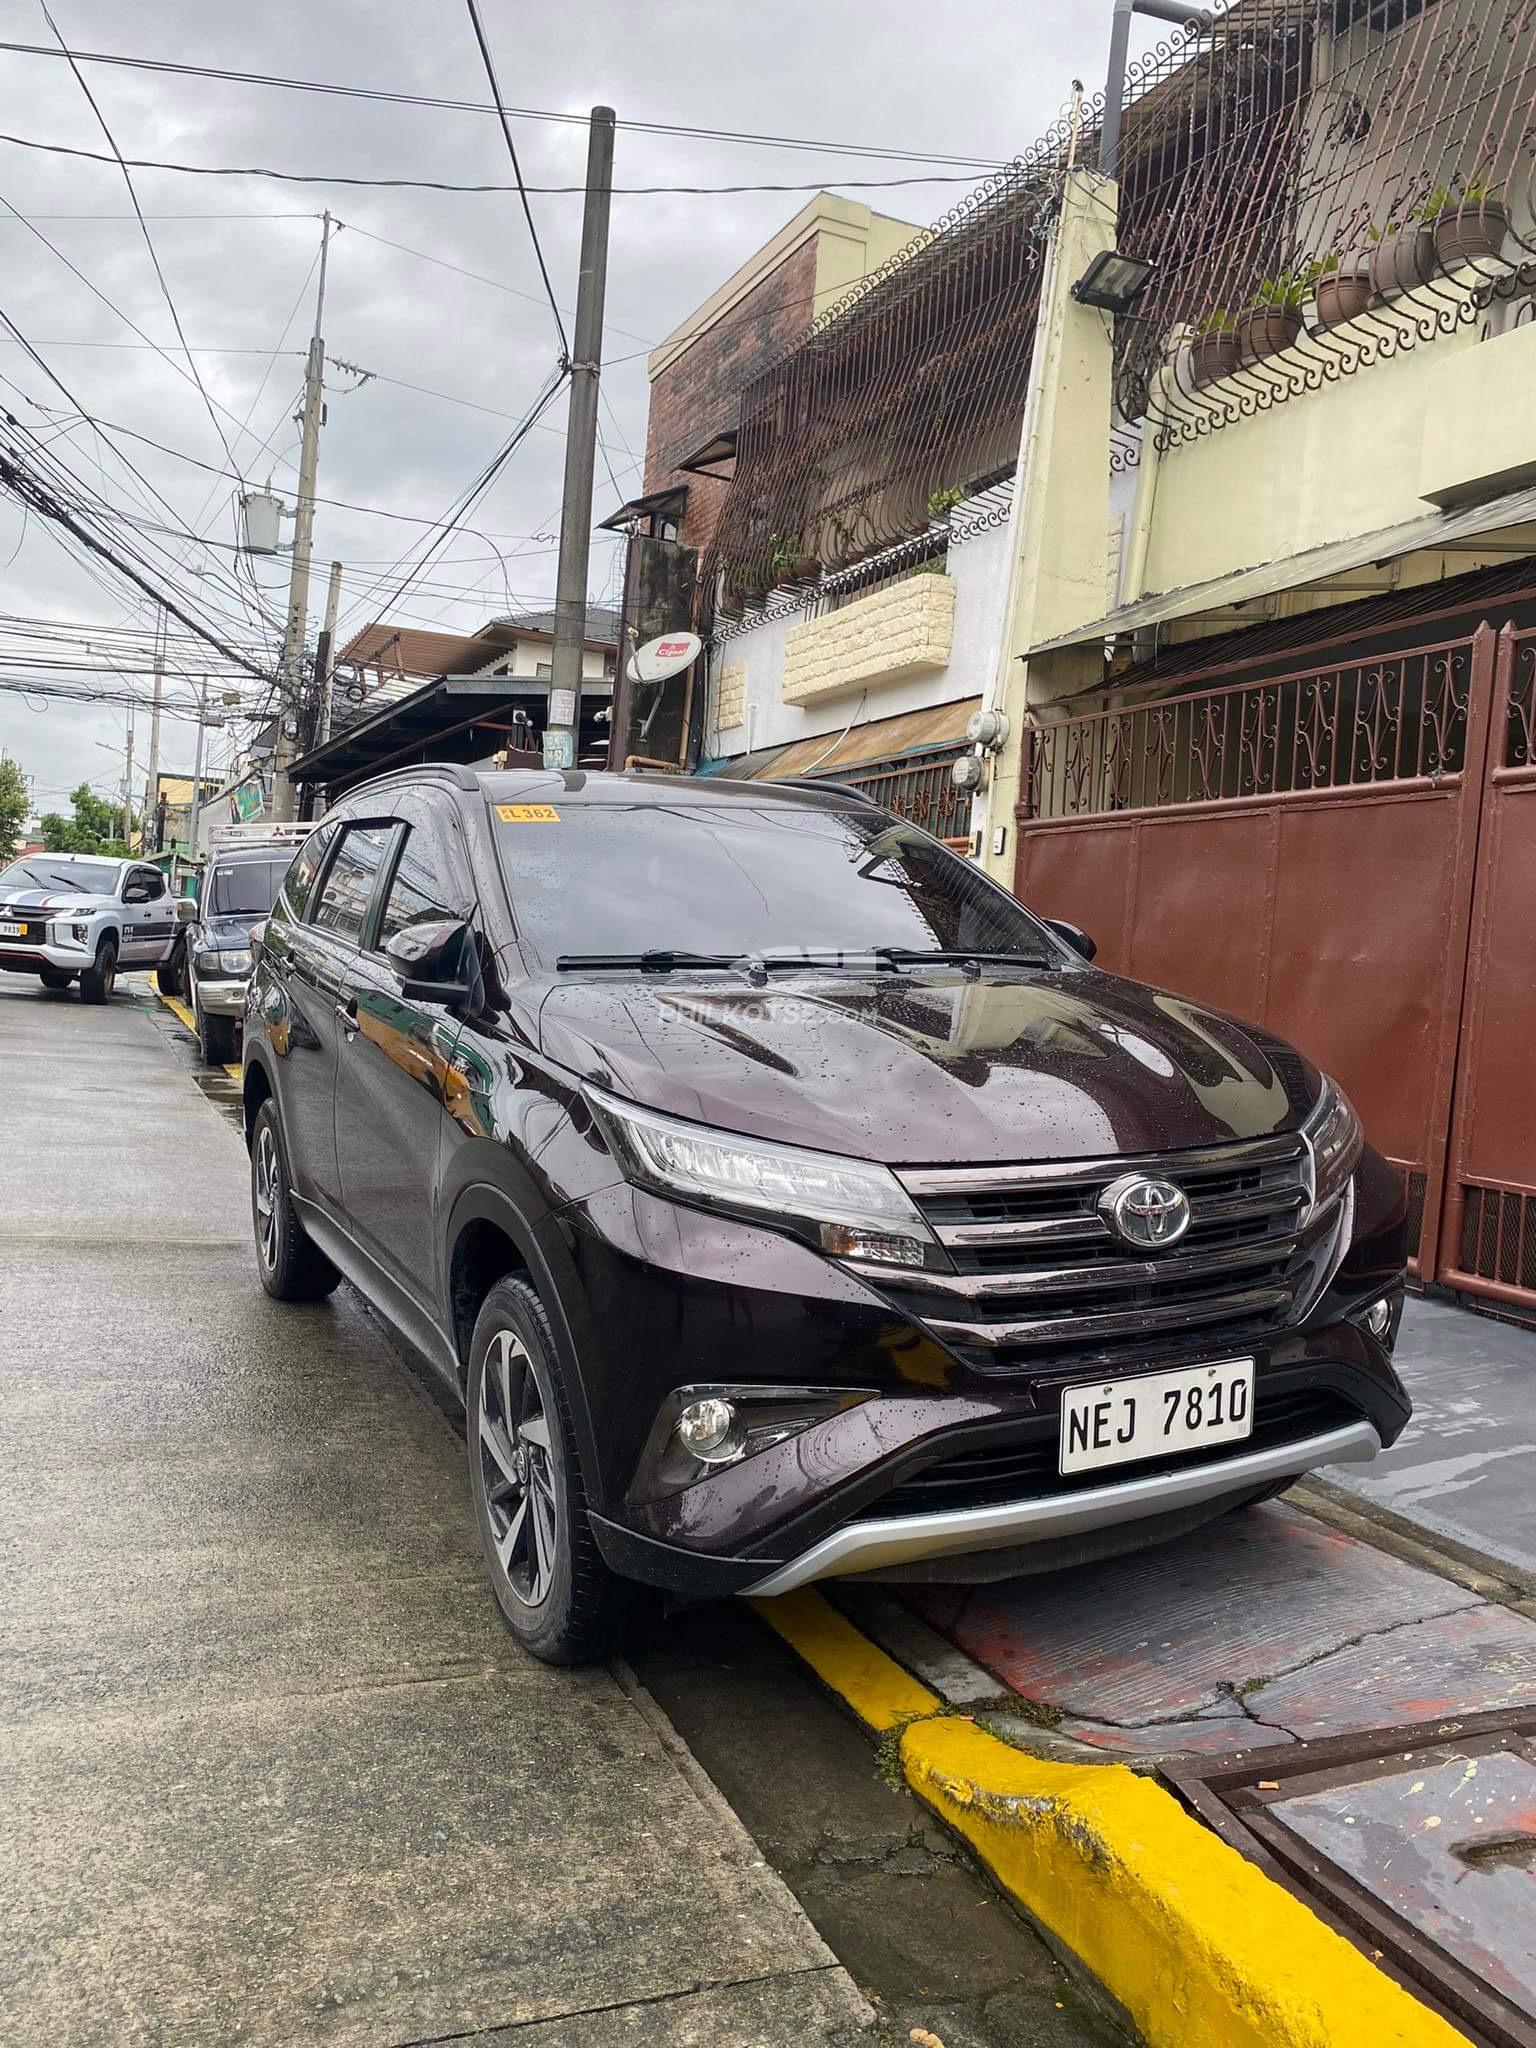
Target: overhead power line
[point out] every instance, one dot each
(517, 171)
(151, 163)
(416, 99)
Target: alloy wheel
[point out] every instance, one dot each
(269, 1195)
(517, 1469)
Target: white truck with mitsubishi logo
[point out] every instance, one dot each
(69, 917)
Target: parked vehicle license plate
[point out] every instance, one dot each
(13, 931)
(1114, 1422)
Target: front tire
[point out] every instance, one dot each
(169, 978)
(54, 977)
(291, 1264)
(99, 979)
(216, 1039)
(555, 1593)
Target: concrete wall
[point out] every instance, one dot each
(748, 670)
(1349, 459)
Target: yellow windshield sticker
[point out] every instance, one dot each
(528, 814)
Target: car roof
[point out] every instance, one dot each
(100, 860)
(579, 786)
(224, 857)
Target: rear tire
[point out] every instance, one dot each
(555, 1593)
(291, 1264)
(99, 979)
(54, 977)
(216, 1039)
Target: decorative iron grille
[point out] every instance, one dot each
(1321, 184)
(1520, 740)
(1393, 719)
(1498, 1236)
(916, 787)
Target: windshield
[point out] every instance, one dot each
(738, 878)
(247, 888)
(46, 871)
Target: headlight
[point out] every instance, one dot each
(847, 1206)
(234, 963)
(1334, 1143)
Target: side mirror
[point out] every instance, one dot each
(136, 893)
(1074, 935)
(431, 961)
(186, 909)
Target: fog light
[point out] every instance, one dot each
(1378, 1319)
(708, 1430)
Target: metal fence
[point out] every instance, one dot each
(916, 787)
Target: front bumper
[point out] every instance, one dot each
(883, 1545)
(27, 957)
(222, 998)
(669, 1296)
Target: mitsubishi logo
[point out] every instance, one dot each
(1149, 1214)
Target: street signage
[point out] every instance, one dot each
(559, 747)
(667, 656)
(562, 707)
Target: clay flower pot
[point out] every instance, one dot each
(1402, 262)
(1471, 233)
(1345, 293)
(1213, 356)
(1266, 330)
(805, 568)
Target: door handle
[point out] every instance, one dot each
(347, 1016)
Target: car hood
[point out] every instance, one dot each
(59, 902)
(231, 932)
(934, 1068)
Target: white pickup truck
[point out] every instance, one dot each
(78, 917)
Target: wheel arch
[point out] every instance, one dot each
(489, 1238)
(255, 1089)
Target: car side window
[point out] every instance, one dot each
(299, 880)
(154, 884)
(420, 892)
(347, 891)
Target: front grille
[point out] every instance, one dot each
(1027, 1469)
(1036, 1265)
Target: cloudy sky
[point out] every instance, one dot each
(972, 81)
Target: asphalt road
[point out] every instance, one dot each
(276, 1776)
(275, 1773)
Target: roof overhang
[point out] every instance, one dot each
(717, 457)
(668, 504)
(1224, 599)
(444, 715)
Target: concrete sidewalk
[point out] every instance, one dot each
(1462, 1468)
(276, 1775)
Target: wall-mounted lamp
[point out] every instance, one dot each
(1113, 281)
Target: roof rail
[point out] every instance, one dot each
(464, 776)
(819, 782)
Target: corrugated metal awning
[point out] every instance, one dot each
(1314, 566)
(883, 739)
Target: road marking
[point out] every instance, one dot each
(1200, 1947)
(179, 1009)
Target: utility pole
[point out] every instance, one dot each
(562, 728)
(128, 788)
(325, 655)
(197, 772)
(292, 680)
(152, 797)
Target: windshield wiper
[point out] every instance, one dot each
(658, 960)
(963, 956)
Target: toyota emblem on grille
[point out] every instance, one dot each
(1147, 1213)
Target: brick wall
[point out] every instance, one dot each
(905, 630)
(731, 701)
(696, 395)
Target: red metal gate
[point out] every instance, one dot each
(1305, 851)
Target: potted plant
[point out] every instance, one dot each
(1469, 223)
(1402, 257)
(1343, 287)
(1216, 350)
(944, 501)
(792, 562)
(1273, 321)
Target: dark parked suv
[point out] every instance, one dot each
(786, 1202)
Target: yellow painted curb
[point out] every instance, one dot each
(179, 1010)
(1199, 1946)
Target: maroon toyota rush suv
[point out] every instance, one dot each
(785, 1202)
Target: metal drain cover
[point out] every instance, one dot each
(1419, 1843)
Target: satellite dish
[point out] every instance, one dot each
(667, 656)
